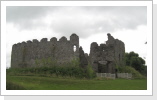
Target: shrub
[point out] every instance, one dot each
(132, 59)
(71, 69)
(90, 72)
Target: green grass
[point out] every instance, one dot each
(69, 78)
(60, 83)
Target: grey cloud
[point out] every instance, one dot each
(104, 19)
(19, 13)
(67, 27)
(23, 16)
(82, 20)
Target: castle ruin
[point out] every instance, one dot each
(103, 58)
(107, 57)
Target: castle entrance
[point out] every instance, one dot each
(102, 67)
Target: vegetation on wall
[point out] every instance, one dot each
(70, 69)
(48, 67)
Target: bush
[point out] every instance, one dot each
(132, 59)
(63, 71)
(90, 72)
(71, 69)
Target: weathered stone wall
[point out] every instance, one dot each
(113, 76)
(106, 57)
(82, 58)
(35, 53)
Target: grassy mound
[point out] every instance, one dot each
(129, 69)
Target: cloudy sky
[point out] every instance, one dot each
(90, 23)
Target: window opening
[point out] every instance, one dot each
(74, 48)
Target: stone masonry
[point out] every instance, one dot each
(27, 54)
(103, 58)
(106, 57)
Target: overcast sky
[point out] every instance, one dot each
(91, 24)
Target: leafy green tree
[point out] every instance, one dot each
(132, 59)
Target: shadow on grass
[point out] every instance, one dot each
(14, 86)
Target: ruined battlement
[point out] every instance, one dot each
(74, 39)
(31, 51)
(104, 57)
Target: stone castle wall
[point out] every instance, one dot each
(26, 54)
(106, 57)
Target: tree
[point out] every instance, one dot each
(132, 59)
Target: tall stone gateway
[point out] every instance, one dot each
(106, 57)
(35, 53)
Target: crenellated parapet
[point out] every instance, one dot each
(28, 53)
(63, 39)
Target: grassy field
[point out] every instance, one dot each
(61, 83)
